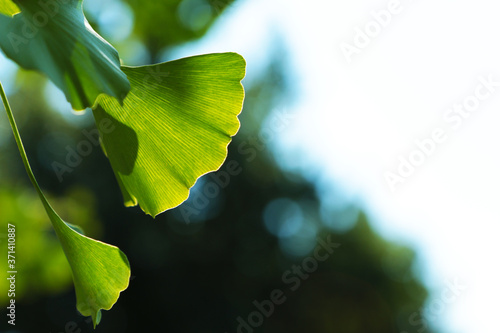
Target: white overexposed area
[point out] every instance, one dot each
(398, 105)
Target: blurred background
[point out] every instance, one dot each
(333, 104)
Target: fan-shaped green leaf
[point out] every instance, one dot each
(174, 126)
(100, 271)
(55, 38)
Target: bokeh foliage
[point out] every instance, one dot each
(162, 24)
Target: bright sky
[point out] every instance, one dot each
(422, 75)
(358, 115)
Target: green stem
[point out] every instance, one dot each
(17, 136)
(22, 152)
(90, 260)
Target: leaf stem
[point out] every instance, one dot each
(20, 146)
(89, 259)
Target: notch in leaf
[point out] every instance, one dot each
(174, 126)
(54, 37)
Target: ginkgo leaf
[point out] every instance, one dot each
(8, 7)
(100, 271)
(174, 126)
(55, 38)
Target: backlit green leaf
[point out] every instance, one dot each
(55, 38)
(100, 271)
(8, 7)
(174, 126)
